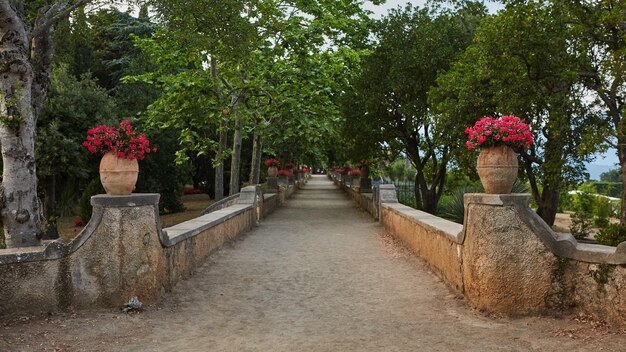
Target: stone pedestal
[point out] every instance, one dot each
(366, 185)
(272, 185)
(506, 266)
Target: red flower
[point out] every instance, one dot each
(271, 162)
(123, 140)
(78, 222)
(286, 173)
(507, 130)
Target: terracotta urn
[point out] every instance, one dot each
(497, 169)
(118, 175)
(272, 171)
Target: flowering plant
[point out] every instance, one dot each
(355, 172)
(285, 173)
(124, 140)
(507, 130)
(271, 162)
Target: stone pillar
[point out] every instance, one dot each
(366, 185)
(272, 185)
(124, 255)
(252, 195)
(507, 268)
(385, 194)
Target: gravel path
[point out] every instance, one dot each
(317, 275)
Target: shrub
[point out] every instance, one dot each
(94, 187)
(612, 235)
(453, 208)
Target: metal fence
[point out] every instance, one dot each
(404, 190)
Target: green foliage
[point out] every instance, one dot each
(610, 189)
(611, 235)
(582, 219)
(603, 211)
(522, 62)
(159, 173)
(398, 171)
(453, 208)
(612, 176)
(84, 205)
(389, 106)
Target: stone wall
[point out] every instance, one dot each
(506, 260)
(121, 253)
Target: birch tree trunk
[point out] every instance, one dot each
(20, 208)
(26, 52)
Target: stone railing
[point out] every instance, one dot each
(506, 260)
(221, 204)
(122, 253)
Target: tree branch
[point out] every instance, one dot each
(55, 14)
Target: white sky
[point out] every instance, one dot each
(380, 10)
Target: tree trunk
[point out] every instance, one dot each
(621, 154)
(21, 212)
(236, 155)
(219, 169)
(20, 99)
(223, 139)
(257, 151)
(549, 203)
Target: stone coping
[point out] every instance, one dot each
(562, 245)
(222, 203)
(446, 228)
(193, 227)
(269, 195)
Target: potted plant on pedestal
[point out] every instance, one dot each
(498, 139)
(121, 148)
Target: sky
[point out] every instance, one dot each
(380, 10)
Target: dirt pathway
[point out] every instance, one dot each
(317, 275)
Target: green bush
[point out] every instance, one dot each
(602, 211)
(612, 235)
(582, 219)
(94, 187)
(453, 207)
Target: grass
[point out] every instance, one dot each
(194, 205)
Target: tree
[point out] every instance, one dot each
(252, 59)
(27, 50)
(72, 107)
(602, 53)
(614, 175)
(414, 45)
(521, 63)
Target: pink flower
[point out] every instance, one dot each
(123, 140)
(508, 130)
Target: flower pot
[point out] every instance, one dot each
(118, 175)
(272, 171)
(497, 169)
